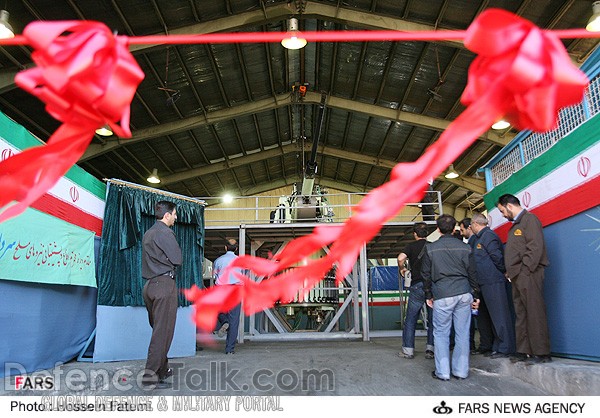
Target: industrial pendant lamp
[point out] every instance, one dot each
(594, 22)
(154, 177)
(293, 38)
(6, 30)
(501, 124)
(451, 173)
(104, 131)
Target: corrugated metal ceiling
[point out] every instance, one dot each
(223, 118)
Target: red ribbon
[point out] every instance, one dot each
(521, 72)
(87, 79)
(529, 66)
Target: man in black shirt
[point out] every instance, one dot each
(416, 298)
(161, 255)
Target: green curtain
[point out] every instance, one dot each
(128, 214)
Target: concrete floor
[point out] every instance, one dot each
(323, 368)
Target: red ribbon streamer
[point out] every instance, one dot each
(311, 36)
(521, 72)
(87, 79)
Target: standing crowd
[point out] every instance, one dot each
(456, 281)
(484, 282)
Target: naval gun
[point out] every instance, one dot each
(307, 203)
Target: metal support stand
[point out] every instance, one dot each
(364, 292)
(241, 251)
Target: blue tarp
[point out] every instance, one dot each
(383, 278)
(43, 324)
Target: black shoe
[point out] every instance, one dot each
(167, 374)
(483, 351)
(538, 359)
(156, 385)
(230, 352)
(497, 354)
(517, 357)
(435, 376)
(429, 354)
(458, 377)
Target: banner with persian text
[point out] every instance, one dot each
(36, 247)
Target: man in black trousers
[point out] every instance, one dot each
(161, 255)
(489, 260)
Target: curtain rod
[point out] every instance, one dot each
(153, 190)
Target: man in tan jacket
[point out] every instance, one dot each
(525, 259)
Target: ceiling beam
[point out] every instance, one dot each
(289, 180)
(396, 115)
(229, 163)
(277, 12)
(471, 184)
(468, 183)
(193, 122)
(281, 100)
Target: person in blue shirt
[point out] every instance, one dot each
(228, 322)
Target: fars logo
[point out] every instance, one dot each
(34, 383)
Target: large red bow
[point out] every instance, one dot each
(521, 72)
(87, 79)
(528, 68)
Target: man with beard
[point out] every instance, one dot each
(525, 259)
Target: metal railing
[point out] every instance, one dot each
(338, 208)
(529, 145)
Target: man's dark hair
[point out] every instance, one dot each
(446, 223)
(420, 228)
(505, 199)
(163, 207)
(466, 223)
(231, 245)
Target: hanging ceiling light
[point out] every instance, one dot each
(451, 173)
(105, 131)
(501, 124)
(594, 22)
(293, 38)
(6, 30)
(154, 177)
(227, 198)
